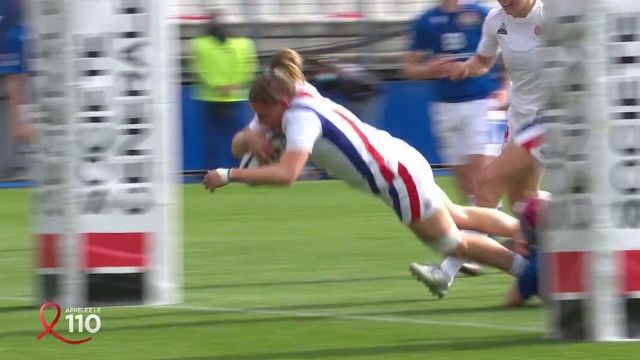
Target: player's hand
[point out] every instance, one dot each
(216, 179)
(275, 150)
(458, 71)
(440, 68)
(258, 144)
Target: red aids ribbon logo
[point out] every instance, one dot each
(48, 328)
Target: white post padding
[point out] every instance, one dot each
(591, 262)
(107, 205)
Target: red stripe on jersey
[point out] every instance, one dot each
(303, 93)
(48, 250)
(115, 249)
(631, 270)
(385, 171)
(387, 174)
(412, 190)
(567, 272)
(532, 143)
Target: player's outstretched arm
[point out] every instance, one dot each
(416, 68)
(285, 172)
(254, 141)
(475, 66)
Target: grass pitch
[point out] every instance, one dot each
(317, 271)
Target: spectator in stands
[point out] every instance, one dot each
(348, 84)
(452, 30)
(224, 67)
(15, 127)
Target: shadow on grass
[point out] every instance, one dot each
(18, 308)
(7, 251)
(388, 351)
(108, 327)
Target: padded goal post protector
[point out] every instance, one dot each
(591, 249)
(106, 204)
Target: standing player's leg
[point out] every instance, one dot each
(463, 132)
(528, 187)
(478, 150)
(449, 120)
(506, 174)
(517, 170)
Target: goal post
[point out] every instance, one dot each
(591, 262)
(106, 206)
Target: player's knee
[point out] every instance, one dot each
(449, 244)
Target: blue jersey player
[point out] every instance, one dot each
(452, 31)
(13, 76)
(460, 112)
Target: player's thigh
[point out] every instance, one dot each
(512, 166)
(435, 227)
(477, 130)
(410, 192)
(479, 162)
(446, 120)
(436, 221)
(456, 212)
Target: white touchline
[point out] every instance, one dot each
(328, 315)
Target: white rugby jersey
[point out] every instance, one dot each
(363, 156)
(520, 40)
(359, 154)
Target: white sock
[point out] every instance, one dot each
(451, 265)
(519, 265)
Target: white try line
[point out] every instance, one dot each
(338, 316)
(327, 315)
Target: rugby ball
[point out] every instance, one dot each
(276, 142)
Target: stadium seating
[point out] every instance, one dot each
(372, 32)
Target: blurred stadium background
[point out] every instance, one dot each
(370, 32)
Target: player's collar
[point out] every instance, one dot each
(530, 15)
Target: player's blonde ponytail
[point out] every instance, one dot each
(288, 62)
